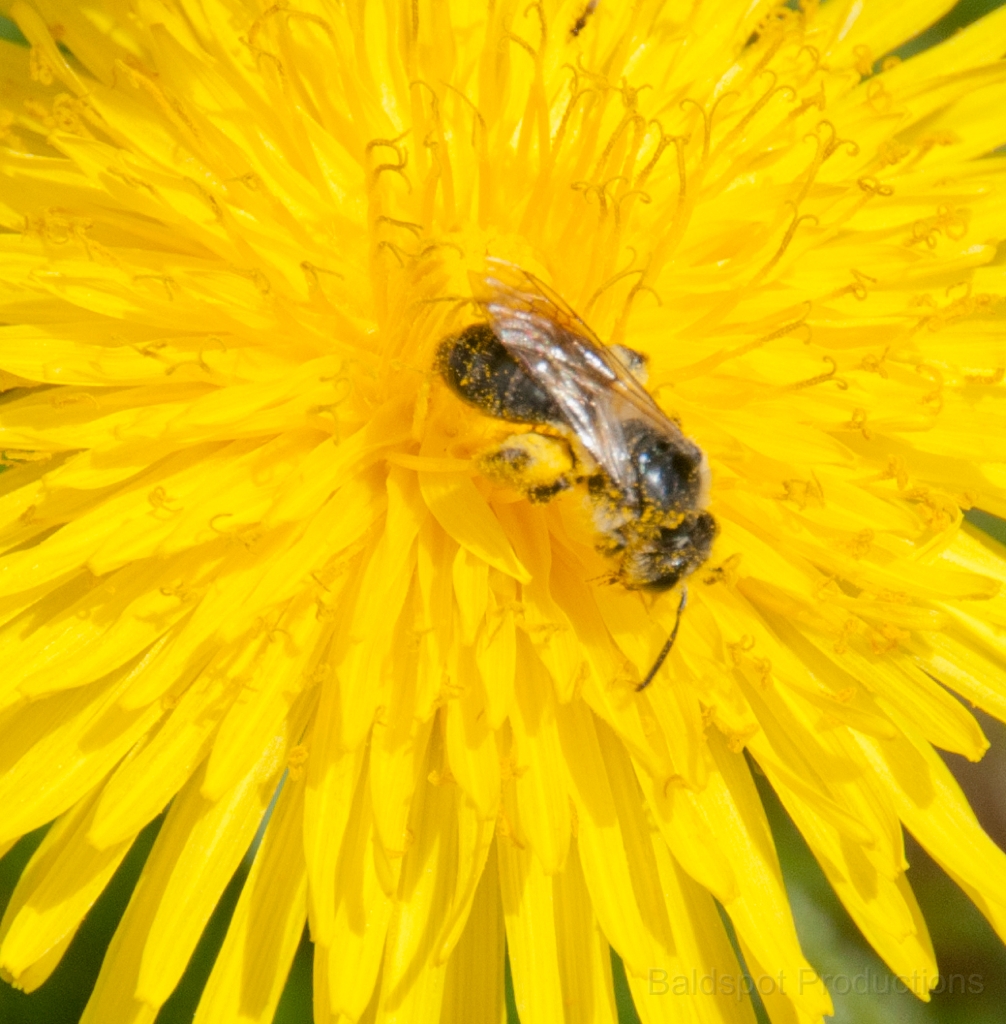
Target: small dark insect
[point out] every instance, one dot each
(536, 362)
(581, 23)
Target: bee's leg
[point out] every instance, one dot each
(537, 465)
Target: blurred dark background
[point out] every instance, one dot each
(965, 943)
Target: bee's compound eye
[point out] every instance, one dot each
(668, 469)
(704, 530)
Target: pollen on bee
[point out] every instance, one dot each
(537, 465)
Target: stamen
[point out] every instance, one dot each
(756, 108)
(819, 100)
(815, 56)
(390, 143)
(311, 272)
(434, 246)
(824, 149)
(662, 144)
(540, 10)
(575, 96)
(821, 378)
(394, 249)
(798, 219)
(858, 288)
(408, 225)
(168, 282)
(253, 274)
(281, 8)
(875, 364)
(162, 501)
(198, 361)
(706, 118)
(509, 37)
(834, 143)
(621, 275)
(587, 188)
(615, 136)
(858, 422)
(277, 64)
(479, 119)
(878, 99)
(171, 109)
(130, 180)
(874, 187)
(398, 168)
(434, 99)
(644, 198)
(149, 349)
(707, 365)
(436, 142)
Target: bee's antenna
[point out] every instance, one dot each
(666, 649)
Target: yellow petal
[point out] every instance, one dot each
(87, 735)
(398, 755)
(544, 621)
(177, 891)
(584, 954)
(251, 968)
(617, 864)
(463, 513)
(760, 912)
(537, 763)
(332, 780)
(475, 837)
(496, 657)
(881, 28)
(58, 887)
(271, 686)
(383, 588)
(360, 916)
(205, 842)
(528, 911)
(471, 747)
(706, 971)
(471, 588)
(473, 986)
(413, 980)
(935, 811)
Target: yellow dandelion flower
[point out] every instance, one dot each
(253, 545)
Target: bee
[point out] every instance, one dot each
(535, 362)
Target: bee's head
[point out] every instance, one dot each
(669, 554)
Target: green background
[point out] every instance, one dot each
(965, 944)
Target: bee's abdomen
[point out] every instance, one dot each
(480, 370)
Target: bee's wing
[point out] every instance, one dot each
(594, 390)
